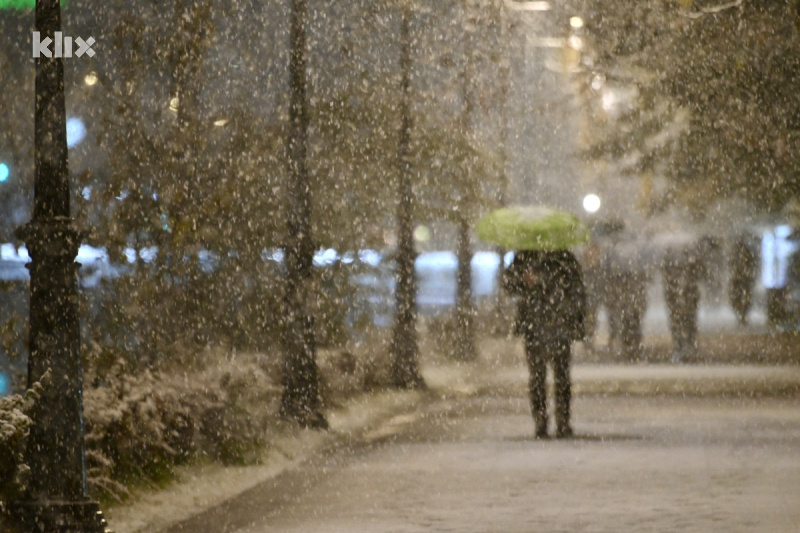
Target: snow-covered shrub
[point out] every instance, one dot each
(232, 428)
(126, 435)
(139, 425)
(15, 423)
(368, 358)
(334, 298)
(12, 332)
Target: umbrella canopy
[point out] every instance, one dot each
(532, 228)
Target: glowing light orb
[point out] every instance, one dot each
(591, 203)
(422, 234)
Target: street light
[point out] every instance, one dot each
(56, 499)
(591, 203)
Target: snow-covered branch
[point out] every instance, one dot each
(710, 10)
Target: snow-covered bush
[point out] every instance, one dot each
(232, 428)
(12, 332)
(360, 366)
(140, 425)
(127, 435)
(212, 404)
(15, 423)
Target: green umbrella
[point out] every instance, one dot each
(22, 4)
(532, 228)
(17, 4)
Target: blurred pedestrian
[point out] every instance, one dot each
(599, 280)
(742, 265)
(593, 266)
(626, 304)
(550, 315)
(683, 268)
(626, 297)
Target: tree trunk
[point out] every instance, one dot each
(500, 324)
(404, 350)
(465, 313)
(465, 331)
(301, 400)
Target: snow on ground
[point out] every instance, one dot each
(470, 465)
(500, 372)
(198, 488)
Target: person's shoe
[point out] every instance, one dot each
(564, 432)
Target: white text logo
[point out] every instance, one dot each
(63, 46)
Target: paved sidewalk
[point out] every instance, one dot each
(499, 372)
(463, 458)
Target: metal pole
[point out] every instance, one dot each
(57, 499)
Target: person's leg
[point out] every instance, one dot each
(672, 300)
(686, 317)
(681, 333)
(624, 301)
(747, 297)
(615, 310)
(563, 389)
(692, 292)
(637, 312)
(536, 385)
(737, 297)
(628, 331)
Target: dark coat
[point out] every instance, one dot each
(552, 303)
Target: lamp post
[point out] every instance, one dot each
(56, 499)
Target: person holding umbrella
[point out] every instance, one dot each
(551, 309)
